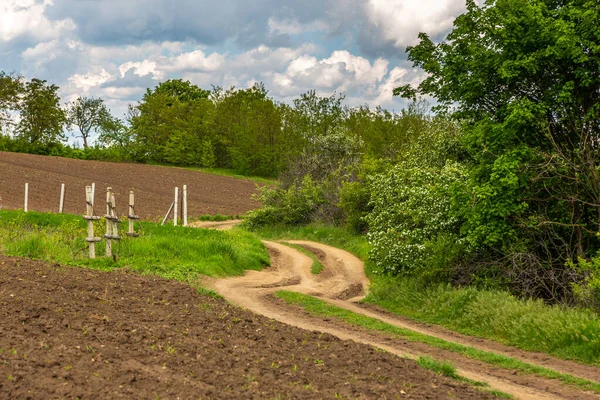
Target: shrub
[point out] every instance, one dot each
(411, 227)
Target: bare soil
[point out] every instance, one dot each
(78, 333)
(343, 275)
(153, 185)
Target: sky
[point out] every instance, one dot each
(115, 49)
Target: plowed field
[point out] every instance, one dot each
(77, 333)
(153, 185)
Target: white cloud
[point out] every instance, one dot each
(26, 18)
(141, 68)
(90, 80)
(400, 21)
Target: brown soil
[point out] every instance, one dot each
(291, 271)
(153, 185)
(70, 333)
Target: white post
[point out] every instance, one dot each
(26, 197)
(175, 206)
(108, 223)
(93, 193)
(184, 205)
(62, 198)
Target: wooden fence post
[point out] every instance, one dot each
(112, 221)
(25, 203)
(184, 205)
(175, 206)
(108, 216)
(93, 193)
(62, 198)
(89, 215)
(131, 216)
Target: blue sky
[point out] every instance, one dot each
(115, 49)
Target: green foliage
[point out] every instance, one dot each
(172, 252)
(588, 290)
(89, 114)
(294, 205)
(411, 224)
(522, 76)
(41, 118)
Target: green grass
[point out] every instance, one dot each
(171, 252)
(320, 308)
(449, 370)
(564, 332)
(567, 333)
(216, 217)
(317, 267)
(234, 174)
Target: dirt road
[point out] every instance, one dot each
(343, 283)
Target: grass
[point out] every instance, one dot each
(449, 370)
(234, 174)
(317, 267)
(320, 308)
(171, 252)
(216, 217)
(567, 333)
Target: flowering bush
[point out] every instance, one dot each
(411, 227)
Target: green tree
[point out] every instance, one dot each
(11, 86)
(41, 118)
(170, 122)
(88, 115)
(524, 77)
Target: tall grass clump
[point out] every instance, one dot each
(565, 332)
(172, 252)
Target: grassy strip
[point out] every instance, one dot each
(564, 332)
(171, 252)
(317, 267)
(447, 369)
(321, 308)
(215, 218)
(233, 174)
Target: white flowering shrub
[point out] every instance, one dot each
(411, 228)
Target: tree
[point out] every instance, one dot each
(170, 122)
(524, 77)
(11, 86)
(89, 115)
(42, 119)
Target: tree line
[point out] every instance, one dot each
(178, 123)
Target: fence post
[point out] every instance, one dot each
(175, 206)
(89, 215)
(184, 205)
(108, 233)
(93, 193)
(62, 198)
(25, 204)
(131, 216)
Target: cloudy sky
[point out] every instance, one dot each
(115, 49)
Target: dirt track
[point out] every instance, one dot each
(153, 185)
(342, 284)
